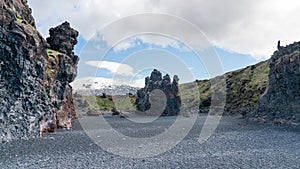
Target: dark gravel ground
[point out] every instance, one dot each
(235, 144)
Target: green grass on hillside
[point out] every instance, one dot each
(121, 103)
(243, 88)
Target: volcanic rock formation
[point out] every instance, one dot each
(169, 89)
(34, 80)
(62, 70)
(281, 100)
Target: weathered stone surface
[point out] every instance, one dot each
(15, 9)
(33, 84)
(281, 100)
(63, 70)
(63, 38)
(170, 90)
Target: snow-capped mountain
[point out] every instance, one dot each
(98, 86)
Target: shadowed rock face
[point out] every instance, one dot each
(170, 89)
(63, 38)
(34, 81)
(282, 97)
(12, 9)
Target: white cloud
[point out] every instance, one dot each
(160, 41)
(126, 44)
(248, 27)
(151, 40)
(114, 67)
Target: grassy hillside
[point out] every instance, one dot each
(243, 88)
(105, 102)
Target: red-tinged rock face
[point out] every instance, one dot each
(34, 79)
(47, 125)
(65, 116)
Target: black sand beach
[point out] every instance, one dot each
(235, 144)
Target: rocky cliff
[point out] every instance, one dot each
(169, 89)
(282, 97)
(34, 74)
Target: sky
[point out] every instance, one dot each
(120, 42)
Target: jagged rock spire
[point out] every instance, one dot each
(170, 89)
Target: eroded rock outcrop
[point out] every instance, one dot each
(281, 100)
(164, 84)
(34, 81)
(63, 39)
(62, 70)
